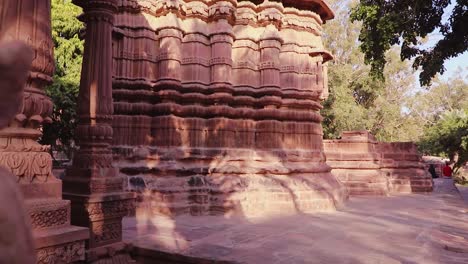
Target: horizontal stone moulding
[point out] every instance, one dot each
(120, 83)
(155, 97)
(217, 132)
(148, 154)
(185, 169)
(200, 195)
(307, 17)
(359, 159)
(215, 111)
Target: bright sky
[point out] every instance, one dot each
(453, 64)
(461, 61)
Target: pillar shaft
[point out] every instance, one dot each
(92, 183)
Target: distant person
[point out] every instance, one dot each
(432, 171)
(447, 170)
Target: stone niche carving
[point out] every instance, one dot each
(217, 106)
(369, 167)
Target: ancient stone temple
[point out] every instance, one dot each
(56, 240)
(217, 106)
(369, 167)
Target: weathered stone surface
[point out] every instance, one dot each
(356, 162)
(403, 166)
(217, 106)
(410, 228)
(91, 182)
(28, 21)
(367, 166)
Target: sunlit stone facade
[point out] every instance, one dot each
(217, 106)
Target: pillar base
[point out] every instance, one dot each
(102, 214)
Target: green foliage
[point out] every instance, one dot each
(64, 91)
(448, 137)
(406, 22)
(357, 101)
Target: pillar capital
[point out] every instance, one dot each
(89, 5)
(97, 10)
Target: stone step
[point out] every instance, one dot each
(48, 213)
(61, 245)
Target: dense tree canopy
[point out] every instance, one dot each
(358, 101)
(64, 91)
(406, 23)
(441, 112)
(448, 137)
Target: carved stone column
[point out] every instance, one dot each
(91, 183)
(55, 239)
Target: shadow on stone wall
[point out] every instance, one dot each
(212, 119)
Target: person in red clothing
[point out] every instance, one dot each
(447, 170)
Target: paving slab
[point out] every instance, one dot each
(413, 228)
(463, 189)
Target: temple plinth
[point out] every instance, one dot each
(217, 107)
(92, 183)
(55, 239)
(369, 167)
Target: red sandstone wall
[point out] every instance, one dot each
(366, 166)
(356, 162)
(217, 107)
(403, 166)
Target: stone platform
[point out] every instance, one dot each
(410, 228)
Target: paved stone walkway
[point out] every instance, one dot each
(463, 191)
(416, 228)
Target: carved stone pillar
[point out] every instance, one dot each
(55, 239)
(91, 183)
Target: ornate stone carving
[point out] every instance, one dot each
(107, 232)
(28, 167)
(113, 209)
(19, 151)
(222, 9)
(16, 242)
(65, 253)
(31, 163)
(50, 218)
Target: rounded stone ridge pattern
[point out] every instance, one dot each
(217, 106)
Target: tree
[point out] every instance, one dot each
(406, 23)
(64, 90)
(358, 101)
(448, 137)
(441, 97)
(350, 88)
(442, 114)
